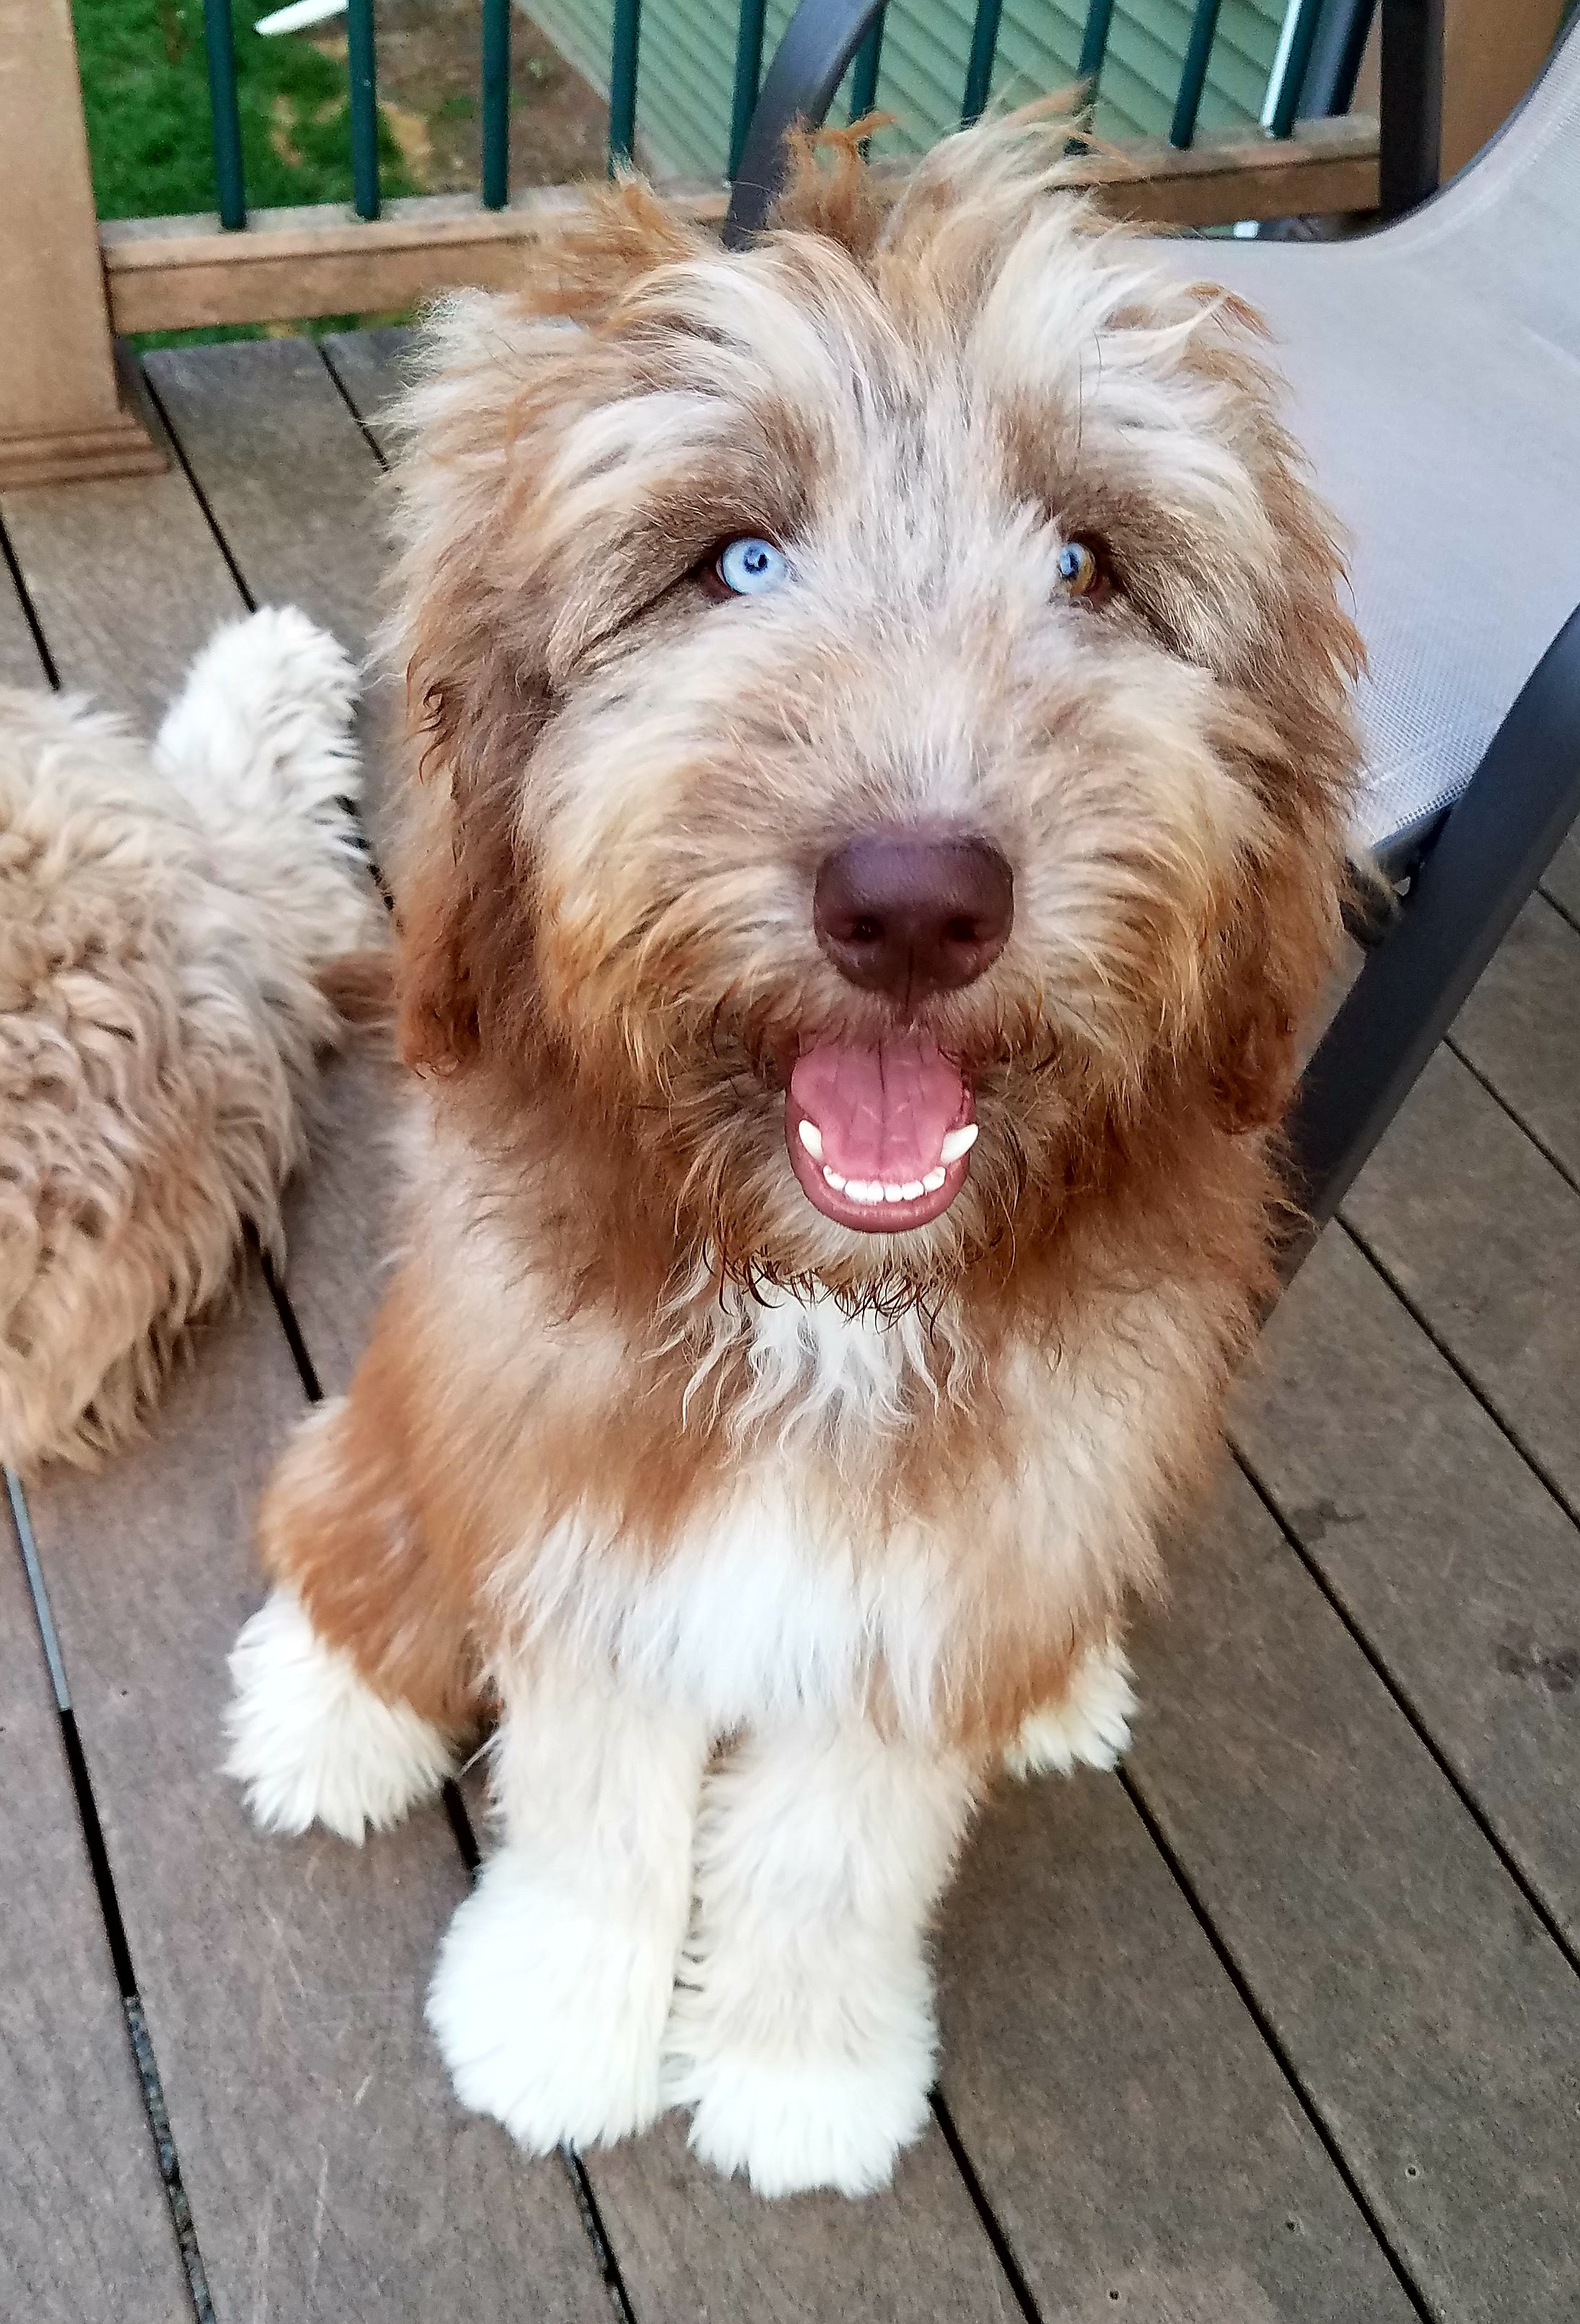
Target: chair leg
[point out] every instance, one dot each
(1491, 851)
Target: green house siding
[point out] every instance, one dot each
(687, 62)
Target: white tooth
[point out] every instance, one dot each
(893, 1193)
(932, 1182)
(912, 1188)
(866, 1190)
(811, 1137)
(833, 1178)
(958, 1142)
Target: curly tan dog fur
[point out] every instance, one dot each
(672, 1435)
(169, 923)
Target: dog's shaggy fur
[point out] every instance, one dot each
(767, 1537)
(170, 926)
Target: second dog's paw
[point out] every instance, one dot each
(549, 2016)
(792, 2123)
(311, 1741)
(1088, 1725)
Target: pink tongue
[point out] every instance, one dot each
(883, 1112)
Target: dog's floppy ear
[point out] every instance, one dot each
(501, 381)
(464, 907)
(1277, 950)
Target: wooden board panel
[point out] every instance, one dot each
(1561, 883)
(128, 582)
(1520, 1028)
(294, 487)
(1483, 1236)
(339, 1222)
(330, 2172)
(692, 2245)
(1424, 2008)
(1452, 1558)
(85, 2236)
(19, 656)
(170, 273)
(371, 367)
(1136, 2139)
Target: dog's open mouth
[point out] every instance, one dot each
(880, 1136)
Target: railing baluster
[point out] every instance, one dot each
(622, 83)
(864, 75)
(1095, 43)
(1297, 56)
(230, 187)
(984, 42)
(748, 77)
(1193, 78)
(365, 111)
(496, 103)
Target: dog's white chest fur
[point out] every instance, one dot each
(778, 1599)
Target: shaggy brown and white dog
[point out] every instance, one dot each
(885, 758)
(169, 925)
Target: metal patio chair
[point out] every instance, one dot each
(1434, 370)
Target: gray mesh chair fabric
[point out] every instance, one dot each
(1434, 368)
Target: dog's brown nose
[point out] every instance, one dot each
(913, 912)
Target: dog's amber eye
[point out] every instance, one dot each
(1082, 572)
(750, 567)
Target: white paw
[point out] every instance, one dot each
(823, 2090)
(549, 2011)
(1088, 1725)
(311, 1741)
(792, 2123)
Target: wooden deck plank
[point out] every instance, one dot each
(19, 657)
(693, 2245)
(1431, 2019)
(85, 2236)
(330, 2172)
(1561, 883)
(372, 367)
(128, 582)
(1443, 1548)
(295, 488)
(1483, 1236)
(1520, 1028)
(1133, 2133)
(309, 2202)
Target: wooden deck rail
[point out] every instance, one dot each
(67, 284)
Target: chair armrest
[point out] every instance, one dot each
(1410, 123)
(808, 65)
(1493, 846)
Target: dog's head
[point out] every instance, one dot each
(884, 700)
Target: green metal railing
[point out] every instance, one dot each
(1300, 29)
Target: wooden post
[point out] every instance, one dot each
(61, 413)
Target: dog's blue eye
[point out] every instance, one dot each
(751, 566)
(1083, 572)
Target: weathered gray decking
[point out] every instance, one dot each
(1284, 2024)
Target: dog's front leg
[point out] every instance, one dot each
(804, 2033)
(554, 1981)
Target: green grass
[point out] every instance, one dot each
(145, 93)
